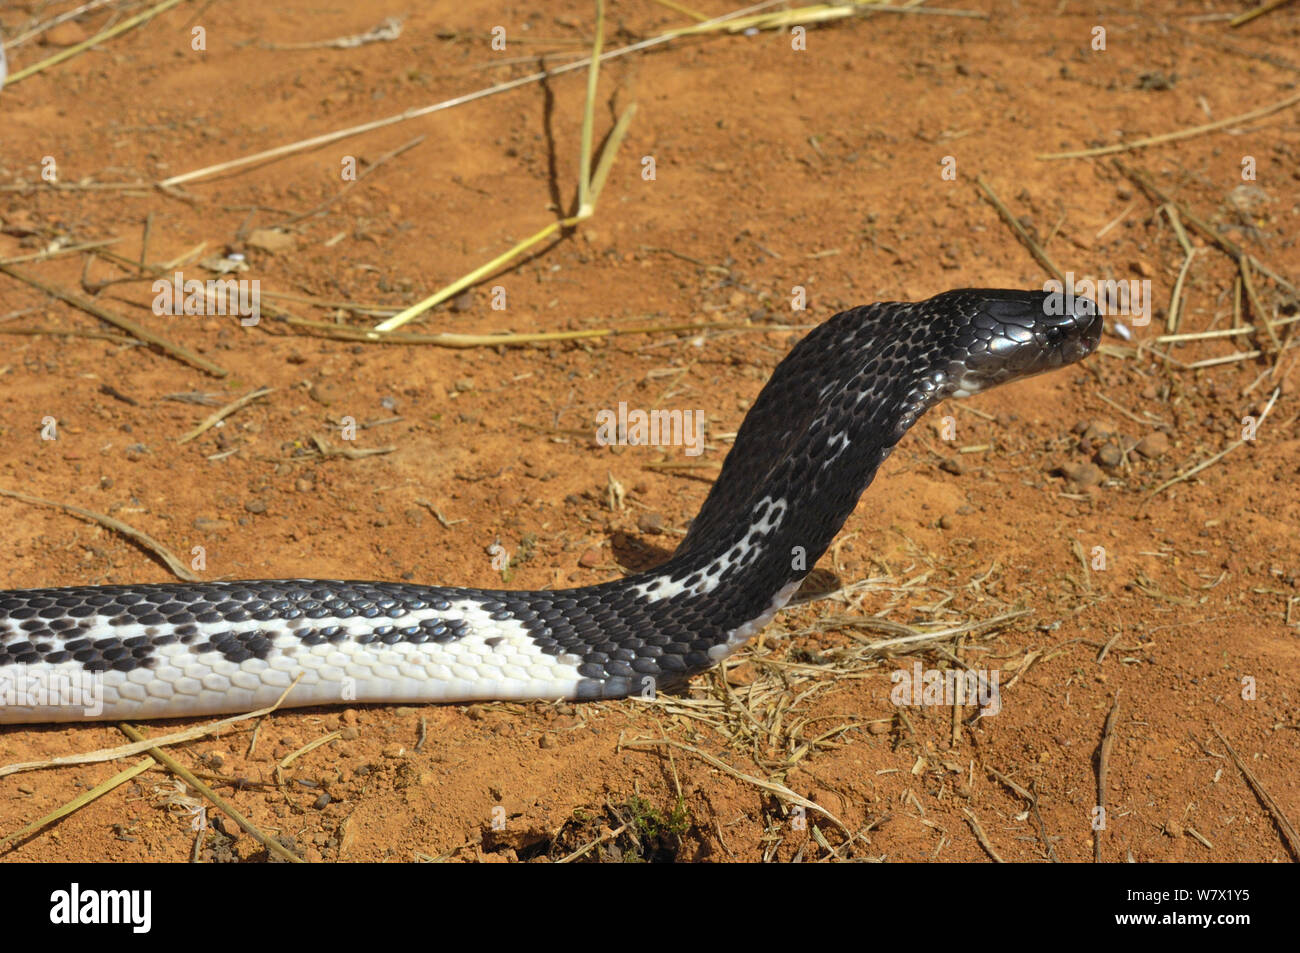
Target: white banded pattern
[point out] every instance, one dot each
(495, 659)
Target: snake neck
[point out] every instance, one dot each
(809, 447)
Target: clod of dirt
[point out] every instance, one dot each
(512, 838)
(65, 34)
(324, 392)
(271, 240)
(1082, 474)
(1153, 445)
(738, 676)
(1098, 430)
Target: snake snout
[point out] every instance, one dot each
(1021, 333)
(1049, 332)
(1067, 334)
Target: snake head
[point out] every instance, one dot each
(1007, 335)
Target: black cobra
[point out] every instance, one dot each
(832, 412)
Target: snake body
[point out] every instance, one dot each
(830, 415)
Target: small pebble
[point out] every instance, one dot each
(1109, 457)
(323, 392)
(650, 523)
(1098, 430)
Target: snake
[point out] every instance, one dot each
(831, 413)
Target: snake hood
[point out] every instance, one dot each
(817, 433)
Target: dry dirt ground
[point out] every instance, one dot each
(847, 168)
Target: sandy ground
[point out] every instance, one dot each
(848, 168)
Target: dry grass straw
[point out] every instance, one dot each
(326, 138)
(80, 801)
(1229, 247)
(1040, 255)
(589, 188)
(766, 720)
(125, 751)
(980, 836)
(1259, 11)
(142, 539)
(153, 748)
(272, 845)
(217, 416)
(1178, 135)
(1222, 332)
(1204, 464)
(1103, 770)
(824, 13)
(1279, 816)
(1256, 308)
(325, 451)
(772, 787)
(1176, 296)
(315, 210)
(54, 21)
(109, 33)
(1244, 286)
(136, 330)
(712, 25)
(461, 341)
(59, 252)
